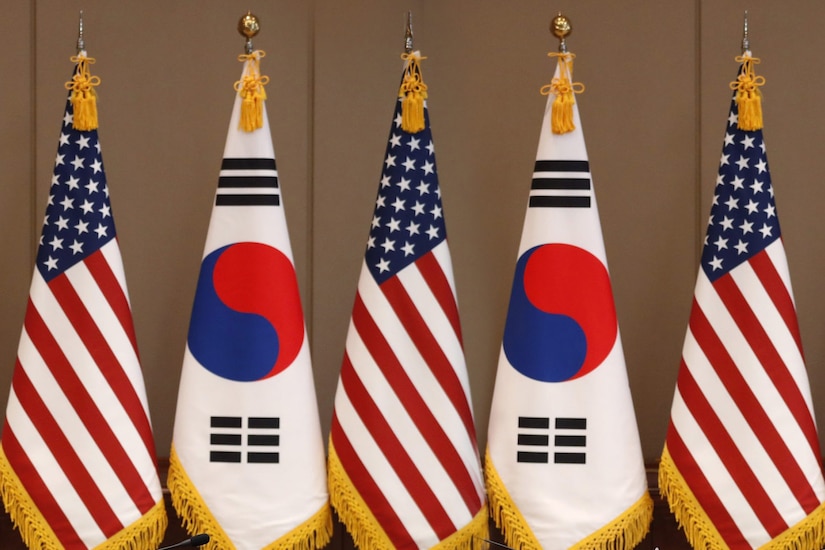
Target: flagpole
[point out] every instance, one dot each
(81, 44)
(408, 34)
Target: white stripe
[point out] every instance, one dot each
(718, 477)
(381, 472)
(562, 175)
(737, 427)
(44, 462)
(240, 173)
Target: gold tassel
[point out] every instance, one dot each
(414, 92)
(561, 117)
(748, 96)
(253, 95)
(83, 97)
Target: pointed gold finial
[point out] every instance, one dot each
(408, 34)
(249, 26)
(561, 28)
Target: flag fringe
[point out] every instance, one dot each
(83, 95)
(144, 534)
(253, 94)
(622, 533)
(561, 116)
(364, 528)
(505, 513)
(748, 95)
(413, 93)
(808, 534)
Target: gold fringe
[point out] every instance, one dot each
(144, 534)
(808, 534)
(253, 94)
(622, 533)
(561, 116)
(83, 97)
(365, 529)
(314, 533)
(414, 92)
(748, 95)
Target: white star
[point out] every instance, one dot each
(430, 147)
(388, 245)
(412, 228)
(72, 183)
(91, 187)
(404, 184)
(747, 142)
(733, 119)
(752, 206)
(385, 182)
(62, 223)
(418, 208)
(432, 232)
(732, 203)
(397, 120)
(721, 243)
(83, 142)
(59, 160)
(407, 248)
(727, 223)
(414, 143)
(370, 242)
(383, 265)
(716, 263)
(398, 204)
(379, 201)
(67, 119)
(742, 163)
(741, 247)
(728, 139)
(715, 200)
(756, 186)
(710, 220)
(436, 211)
(720, 179)
(428, 167)
(737, 182)
(56, 243)
(724, 160)
(395, 140)
(82, 227)
(423, 188)
(64, 139)
(394, 225)
(100, 230)
(376, 222)
(746, 227)
(390, 161)
(51, 263)
(87, 206)
(761, 165)
(55, 180)
(770, 210)
(409, 164)
(67, 203)
(77, 162)
(766, 230)
(762, 145)
(77, 248)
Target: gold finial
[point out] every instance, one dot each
(249, 26)
(408, 34)
(561, 28)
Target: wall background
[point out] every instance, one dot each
(653, 115)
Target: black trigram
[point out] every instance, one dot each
(561, 184)
(227, 434)
(248, 182)
(570, 437)
(533, 439)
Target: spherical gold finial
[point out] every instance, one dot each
(560, 27)
(249, 25)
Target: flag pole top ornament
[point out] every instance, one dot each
(561, 28)
(408, 34)
(746, 45)
(746, 87)
(249, 26)
(81, 44)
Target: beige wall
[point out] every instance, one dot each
(653, 115)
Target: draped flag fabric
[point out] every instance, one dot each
(77, 462)
(564, 466)
(741, 467)
(404, 467)
(247, 463)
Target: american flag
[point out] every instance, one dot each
(742, 437)
(403, 440)
(77, 441)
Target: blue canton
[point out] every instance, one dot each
(408, 221)
(78, 218)
(743, 218)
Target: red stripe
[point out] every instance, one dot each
(98, 347)
(779, 293)
(731, 457)
(70, 463)
(416, 407)
(763, 347)
(387, 440)
(368, 490)
(440, 287)
(87, 410)
(113, 291)
(41, 496)
(704, 492)
(434, 357)
(757, 418)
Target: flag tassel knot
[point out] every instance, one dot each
(414, 92)
(253, 94)
(808, 534)
(83, 95)
(561, 118)
(622, 533)
(144, 534)
(365, 529)
(316, 532)
(748, 95)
